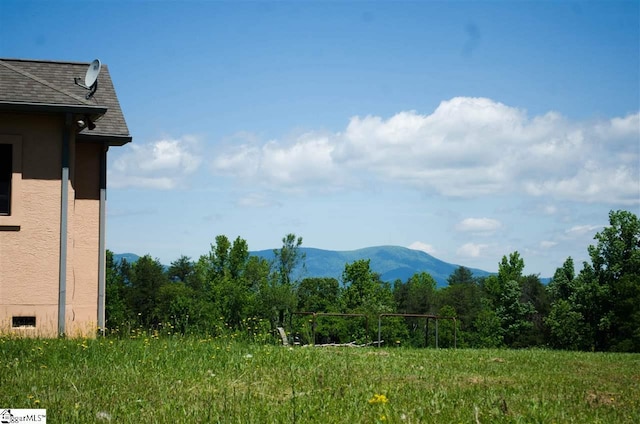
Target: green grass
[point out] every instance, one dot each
(171, 380)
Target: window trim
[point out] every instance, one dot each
(15, 197)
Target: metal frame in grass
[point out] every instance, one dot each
(428, 317)
(380, 316)
(330, 314)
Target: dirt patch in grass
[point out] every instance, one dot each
(474, 380)
(597, 399)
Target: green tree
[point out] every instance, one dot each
(318, 295)
(561, 285)
(464, 295)
(567, 327)
(534, 293)
(510, 269)
(489, 332)
(598, 308)
(362, 288)
(235, 291)
(616, 270)
(176, 307)
(223, 274)
(181, 269)
(365, 293)
(257, 273)
(288, 258)
(590, 298)
(513, 314)
(492, 287)
(417, 295)
(147, 277)
(505, 294)
(282, 294)
(238, 258)
(219, 257)
(447, 331)
(461, 276)
(565, 321)
(259, 282)
(117, 312)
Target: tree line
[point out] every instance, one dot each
(229, 290)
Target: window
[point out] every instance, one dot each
(10, 182)
(6, 170)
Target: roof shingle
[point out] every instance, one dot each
(37, 82)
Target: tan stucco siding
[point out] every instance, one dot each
(30, 257)
(29, 261)
(82, 286)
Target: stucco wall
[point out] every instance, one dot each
(82, 286)
(29, 258)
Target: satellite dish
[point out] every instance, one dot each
(90, 79)
(92, 73)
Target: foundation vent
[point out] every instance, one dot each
(23, 322)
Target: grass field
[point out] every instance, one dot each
(180, 380)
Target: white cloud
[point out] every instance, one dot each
(548, 244)
(161, 164)
(592, 183)
(581, 230)
(621, 128)
(471, 250)
(468, 147)
(427, 248)
(306, 161)
(478, 225)
(241, 161)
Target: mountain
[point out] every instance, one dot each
(391, 262)
(129, 257)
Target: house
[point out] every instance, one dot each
(54, 137)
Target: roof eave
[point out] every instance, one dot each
(109, 139)
(52, 108)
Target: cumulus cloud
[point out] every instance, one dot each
(478, 225)
(581, 230)
(427, 248)
(161, 164)
(467, 147)
(304, 162)
(471, 250)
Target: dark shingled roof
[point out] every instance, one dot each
(49, 85)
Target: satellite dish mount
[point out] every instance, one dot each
(90, 79)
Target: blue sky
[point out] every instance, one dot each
(465, 129)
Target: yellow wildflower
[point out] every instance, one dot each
(378, 399)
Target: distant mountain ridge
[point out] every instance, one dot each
(129, 257)
(391, 262)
